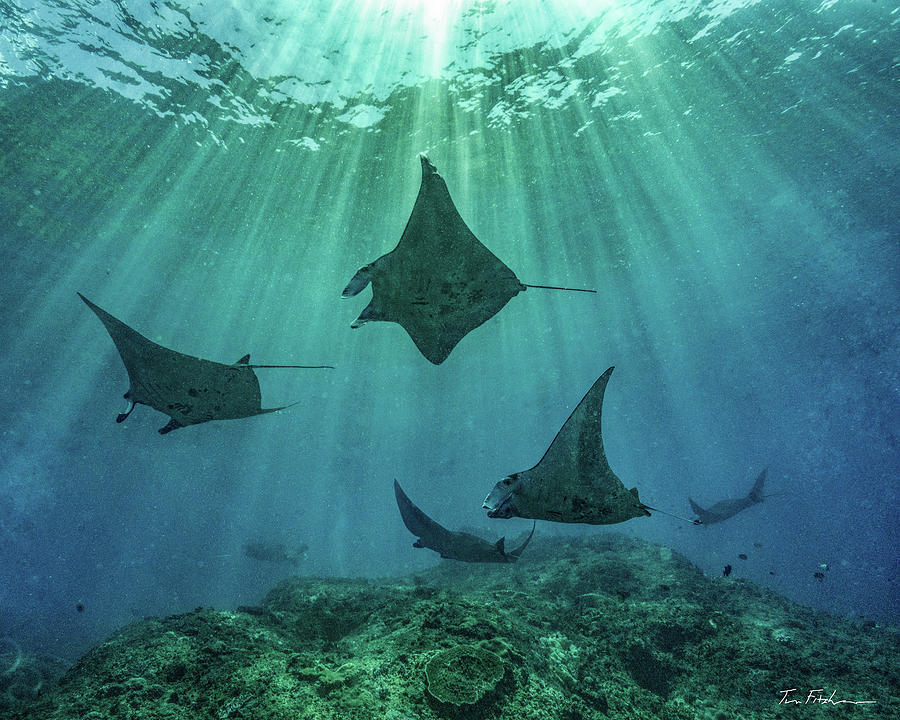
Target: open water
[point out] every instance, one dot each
(723, 173)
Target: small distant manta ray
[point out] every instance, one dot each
(440, 282)
(188, 389)
(725, 509)
(449, 544)
(573, 482)
(275, 552)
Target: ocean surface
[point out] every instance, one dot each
(723, 173)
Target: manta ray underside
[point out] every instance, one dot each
(188, 389)
(573, 482)
(440, 282)
(449, 544)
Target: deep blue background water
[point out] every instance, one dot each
(725, 174)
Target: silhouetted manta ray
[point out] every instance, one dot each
(188, 389)
(440, 282)
(449, 544)
(725, 509)
(573, 482)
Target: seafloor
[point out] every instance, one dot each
(603, 627)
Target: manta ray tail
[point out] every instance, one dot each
(300, 367)
(677, 517)
(245, 361)
(557, 287)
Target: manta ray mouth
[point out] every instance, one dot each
(500, 504)
(503, 512)
(499, 501)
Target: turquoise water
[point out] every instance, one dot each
(723, 174)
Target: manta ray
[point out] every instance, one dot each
(440, 282)
(725, 509)
(573, 482)
(449, 544)
(190, 390)
(275, 552)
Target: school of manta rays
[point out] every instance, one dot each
(439, 284)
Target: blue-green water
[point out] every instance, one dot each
(723, 173)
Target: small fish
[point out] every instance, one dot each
(823, 566)
(727, 571)
(820, 576)
(742, 556)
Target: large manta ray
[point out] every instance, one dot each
(449, 544)
(573, 482)
(440, 282)
(188, 389)
(725, 509)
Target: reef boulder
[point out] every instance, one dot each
(463, 674)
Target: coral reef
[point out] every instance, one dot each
(463, 675)
(604, 627)
(24, 676)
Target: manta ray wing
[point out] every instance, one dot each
(428, 531)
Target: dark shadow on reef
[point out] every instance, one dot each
(604, 627)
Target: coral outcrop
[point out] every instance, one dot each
(463, 674)
(605, 627)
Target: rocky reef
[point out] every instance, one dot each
(24, 676)
(602, 627)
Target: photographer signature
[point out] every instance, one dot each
(817, 696)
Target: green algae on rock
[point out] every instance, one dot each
(463, 674)
(596, 628)
(24, 676)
